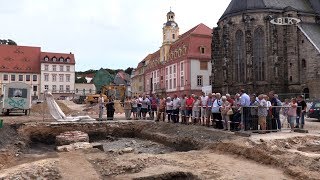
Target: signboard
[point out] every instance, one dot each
(285, 21)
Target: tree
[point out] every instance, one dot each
(8, 42)
(129, 70)
(81, 80)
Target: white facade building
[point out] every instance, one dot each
(57, 73)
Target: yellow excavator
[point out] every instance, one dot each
(118, 92)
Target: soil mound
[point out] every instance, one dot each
(43, 108)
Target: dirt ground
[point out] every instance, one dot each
(213, 154)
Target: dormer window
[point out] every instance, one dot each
(46, 58)
(68, 60)
(202, 50)
(54, 59)
(61, 59)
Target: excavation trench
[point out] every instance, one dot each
(158, 138)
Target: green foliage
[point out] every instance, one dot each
(129, 70)
(81, 80)
(8, 42)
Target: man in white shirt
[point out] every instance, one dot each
(175, 109)
(101, 106)
(203, 105)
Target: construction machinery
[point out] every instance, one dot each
(118, 92)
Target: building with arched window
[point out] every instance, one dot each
(264, 45)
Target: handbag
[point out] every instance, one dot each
(230, 112)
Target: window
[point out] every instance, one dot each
(35, 88)
(203, 65)
(77, 90)
(90, 90)
(166, 71)
(258, 55)
(61, 68)
(174, 83)
(290, 78)
(170, 84)
(68, 78)
(174, 69)
(54, 88)
(182, 81)
(173, 36)
(46, 58)
(61, 77)
(181, 66)
(239, 70)
(46, 67)
(68, 68)
(67, 88)
(46, 87)
(304, 63)
(170, 69)
(54, 77)
(35, 78)
(54, 59)
(167, 84)
(61, 59)
(202, 50)
(199, 80)
(54, 68)
(5, 77)
(68, 60)
(46, 77)
(13, 77)
(61, 88)
(20, 77)
(27, 77)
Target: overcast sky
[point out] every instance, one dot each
(101, 33)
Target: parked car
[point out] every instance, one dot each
(314, 111)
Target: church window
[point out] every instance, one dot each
(290, 78)
(304, 63)
(258, 55)
(239, 62)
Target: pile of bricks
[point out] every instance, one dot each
(70, 137)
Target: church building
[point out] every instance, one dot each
(264, 45)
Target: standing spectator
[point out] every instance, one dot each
(253, 122)
(203, 105)
(189, 104)
(154, 104)
(144, 106)
(301, 111)
(175, 108)
(292, 113)
(208, 109)
(262, 113)
(134, 103)
(169, 106)
(183, 110)
(139, 107)
(225, 107)
(285, 110)
(101, 106)
(245, 106)
(127, 107)
(274, 111)
(196, 110)
(216, 113)
(110, 108)
(162, 109)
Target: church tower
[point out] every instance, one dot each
(170, 34)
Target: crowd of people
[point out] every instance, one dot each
(241, 111)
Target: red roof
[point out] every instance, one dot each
(51, 55)
(19, 59)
